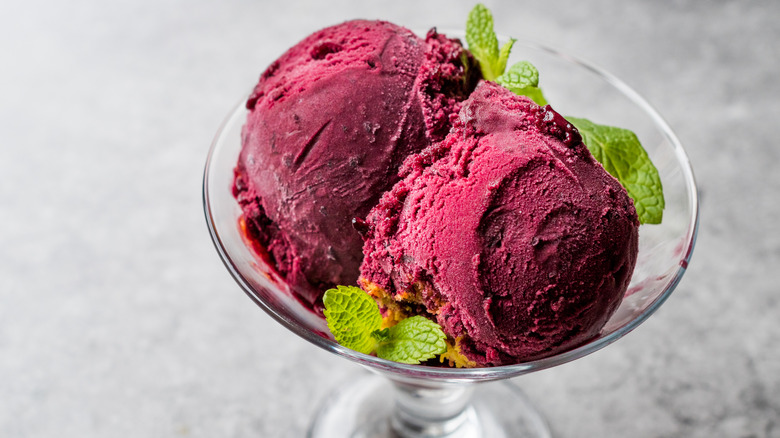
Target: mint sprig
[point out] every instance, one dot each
(354, 319)
(523, 79)
(623, 156)
(483, 43)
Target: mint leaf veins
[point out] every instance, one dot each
(483, 43)
(623, 156)
(352, 315)
(412, 340)
(522, 78)
(354, 319)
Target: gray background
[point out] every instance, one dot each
(117, 318)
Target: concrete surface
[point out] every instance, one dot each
(117, 318)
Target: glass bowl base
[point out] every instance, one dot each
(364, 409)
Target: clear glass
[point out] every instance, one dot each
(449, 402)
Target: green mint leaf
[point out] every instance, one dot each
(503, 56)
(352, 316)
(381, 335)
(412, 341)
(520, 74)
(354, 319)
(483, 43)
(523, 79)
(481, 38)
(534, 93)
(623, 156)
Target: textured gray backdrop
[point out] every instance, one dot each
(117, 318)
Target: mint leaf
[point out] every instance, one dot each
(481, 38)
(534, 93)
(381, 335)
(503, 56)
(483, 43)
(354, 319)
(412, 341)
(623, 156)
(523, 79)
(352, 316)
(521, 74)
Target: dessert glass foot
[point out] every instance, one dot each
(418, 401)
(496, 410)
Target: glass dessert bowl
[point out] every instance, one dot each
(458, 402)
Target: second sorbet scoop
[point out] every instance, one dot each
(508, 233)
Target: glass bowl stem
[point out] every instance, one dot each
(432, 410)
